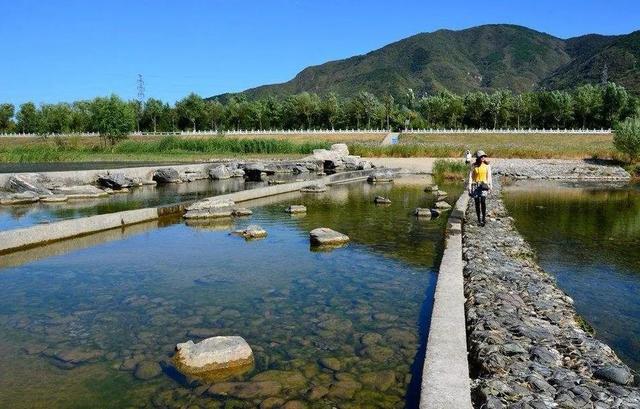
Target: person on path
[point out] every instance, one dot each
(480, 183)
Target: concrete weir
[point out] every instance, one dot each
(445, 377)
(13, 240)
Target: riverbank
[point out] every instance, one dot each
(527, 345)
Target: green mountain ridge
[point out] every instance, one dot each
(483, 58)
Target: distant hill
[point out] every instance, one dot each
(486, 58)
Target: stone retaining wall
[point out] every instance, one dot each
(527, 348)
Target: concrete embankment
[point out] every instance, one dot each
(528, 348)
(17, 239)
(445, 377)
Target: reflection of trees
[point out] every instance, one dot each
(391, 230)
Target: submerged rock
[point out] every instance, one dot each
(442, 205)
(314, 188)
(251, 232)
(296, 209)
(167, 175)
(214, 356)
(324, 236)
(147, 370)
(381, 200)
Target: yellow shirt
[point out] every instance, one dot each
(480, 173)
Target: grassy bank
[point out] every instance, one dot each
(540, 146)
(166, 148)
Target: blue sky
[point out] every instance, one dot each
(67, 50)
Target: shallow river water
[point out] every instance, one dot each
(588, 237)
(16, 216)
(73, 326)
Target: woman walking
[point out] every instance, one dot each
(480, 184)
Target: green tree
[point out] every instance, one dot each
(626, 138)
(153, 110)
(81, 117)
(307, 105)
(331, 108)
(55, 118)
(113, 118)
(476, 106)
(6, 117)
(28, 118)
(588, 103)
(192, 109)
(614, 101)
(387, 105)
(215, 113)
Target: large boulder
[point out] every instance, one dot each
(115, 181)
(255, 171)
(167, 175)
(28, 183)
(324, 236)
(212, 355)
(220, 172)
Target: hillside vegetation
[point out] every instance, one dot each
(484, 58)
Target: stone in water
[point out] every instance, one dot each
(296, 209)
(214, 357)
(324, 236)
(382, 200)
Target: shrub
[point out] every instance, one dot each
(627, 138)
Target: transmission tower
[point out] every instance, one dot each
(140, 89)
(140, 100)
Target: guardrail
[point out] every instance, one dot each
(211, 133)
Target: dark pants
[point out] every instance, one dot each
(481, 208)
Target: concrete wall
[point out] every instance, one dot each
(445, 376)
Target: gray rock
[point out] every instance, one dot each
(115, 181)
(381, 200)
(28, 183)
(251, 232)
(18, 198)
(325, 236)
(314, 188)
(166, 175)
(341, 148)
(221, 172)
(147, 370)
(296, 209)
(381, 177)
(442, 205)
(616, 374)
(80, 192)
(213, 354)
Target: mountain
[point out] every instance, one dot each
(485, 58)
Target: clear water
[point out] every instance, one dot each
(588, 237)
(16, 216)
(366, 304)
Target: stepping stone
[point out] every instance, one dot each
(381, 200)
(324, 236)
(296, 209)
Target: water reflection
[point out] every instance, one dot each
(74, 327)
(589, 238)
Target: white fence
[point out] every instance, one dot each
(508, 131)
(331, 131)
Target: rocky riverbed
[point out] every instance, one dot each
(527, 346)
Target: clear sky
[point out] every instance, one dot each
(59, 50)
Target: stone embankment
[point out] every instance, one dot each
(528, 348)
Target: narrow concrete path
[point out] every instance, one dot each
(391, 139)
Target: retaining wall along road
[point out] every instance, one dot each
(17, 239)
(445, 377)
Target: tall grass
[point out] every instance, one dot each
(167, 147)
(450, 169)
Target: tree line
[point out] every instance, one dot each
(587, 106)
